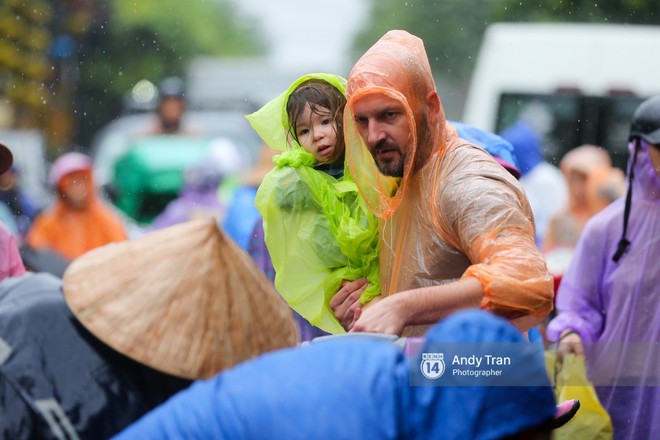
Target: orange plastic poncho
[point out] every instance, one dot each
(456, 212)
(72, 232)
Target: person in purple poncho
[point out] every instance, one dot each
(199, 195)
(609, 298)
(198, 198)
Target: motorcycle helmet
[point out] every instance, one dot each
(646, 121)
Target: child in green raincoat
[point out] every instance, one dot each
(318, 229)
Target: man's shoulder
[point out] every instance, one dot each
(468, 153)
(467, 161)
(471, 182)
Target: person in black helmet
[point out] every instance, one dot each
(171, 106)
(609, 299)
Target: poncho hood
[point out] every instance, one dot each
(271, 122)
(396, 67)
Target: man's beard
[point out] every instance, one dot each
(395, 167)
(390, 167)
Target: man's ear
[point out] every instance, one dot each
(433, 106)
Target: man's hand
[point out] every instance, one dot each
(384, 316)
(569, 342)
(421, 306)
(347, 301)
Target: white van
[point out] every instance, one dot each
(590, 77)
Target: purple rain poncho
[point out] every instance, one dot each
(198, 197)
(609, 303)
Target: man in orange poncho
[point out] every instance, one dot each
(456, 229)
(78, 221)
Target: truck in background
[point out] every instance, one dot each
(587, 78)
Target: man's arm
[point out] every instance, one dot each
(425, 305)
(483, 213)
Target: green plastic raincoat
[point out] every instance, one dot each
(318, 229)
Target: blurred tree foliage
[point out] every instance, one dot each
(130, 40)
(452, 29)
(592, 11)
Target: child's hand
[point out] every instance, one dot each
(345, 302)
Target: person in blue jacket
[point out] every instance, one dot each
(356, 387)
(501, 149)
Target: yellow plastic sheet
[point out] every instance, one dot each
(591, 422)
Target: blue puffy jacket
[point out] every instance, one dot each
(348, 388)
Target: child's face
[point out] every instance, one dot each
(317, 133)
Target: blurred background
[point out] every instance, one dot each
(84, 75)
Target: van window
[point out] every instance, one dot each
(615, 114)
(575, 119)
(562, 132)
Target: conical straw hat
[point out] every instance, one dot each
(184, 300)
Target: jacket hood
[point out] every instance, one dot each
(69, 163)
(526, 145)
(271, 122)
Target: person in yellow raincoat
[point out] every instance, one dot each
(456, 229)
(318, 231)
